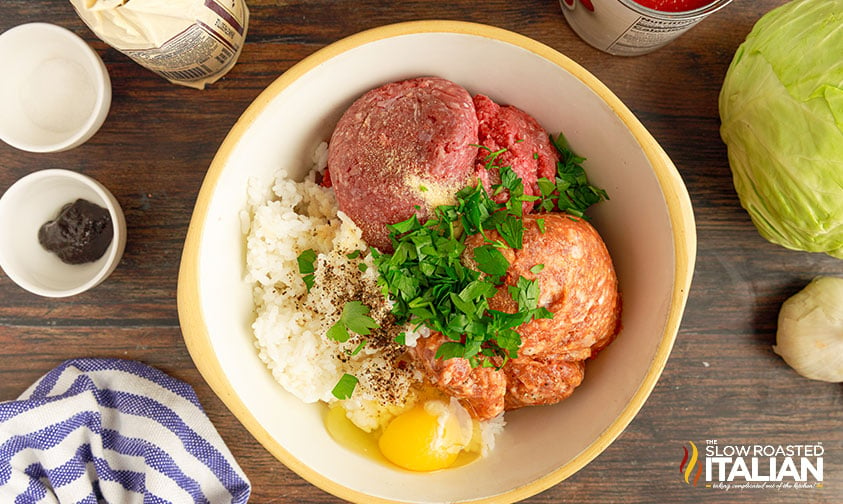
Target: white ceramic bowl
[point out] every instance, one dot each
(55, 92)
(36, 199)
(647, 224)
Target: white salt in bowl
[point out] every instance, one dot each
(37, 198)
(55, 92)
(647, 225)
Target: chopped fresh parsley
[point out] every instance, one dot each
(429, 284)
(526, 293)
(358, 348)
(569, 191)
(345, 387)
(426, 279)
(307, 267)
(354, 318)
(490, 260)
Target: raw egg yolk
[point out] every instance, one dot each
(421, 440)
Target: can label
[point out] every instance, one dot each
(188, 42)
(625, 28)
(209, 49)
(649, 33)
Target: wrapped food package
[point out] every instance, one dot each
(188, 42)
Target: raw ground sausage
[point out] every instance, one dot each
(577, 284)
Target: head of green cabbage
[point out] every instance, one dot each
(781, 111)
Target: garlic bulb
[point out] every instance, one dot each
(810, 331)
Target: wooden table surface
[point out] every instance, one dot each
(723, 382)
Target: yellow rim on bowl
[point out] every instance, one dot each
(676, 197)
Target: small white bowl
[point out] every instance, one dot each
(55, 93)
(29, 203)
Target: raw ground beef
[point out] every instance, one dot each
(529, 151)
(409, 146)
(403, 145)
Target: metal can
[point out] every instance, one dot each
(627, 28)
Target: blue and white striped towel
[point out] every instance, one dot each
(115, 431)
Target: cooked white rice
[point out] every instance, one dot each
(291, 322)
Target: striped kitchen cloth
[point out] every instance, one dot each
(115, 431)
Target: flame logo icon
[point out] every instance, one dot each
(690, 461)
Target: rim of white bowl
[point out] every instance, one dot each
(101, 78)
(114, 252)
(677, 201)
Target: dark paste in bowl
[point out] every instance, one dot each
(80, 233)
